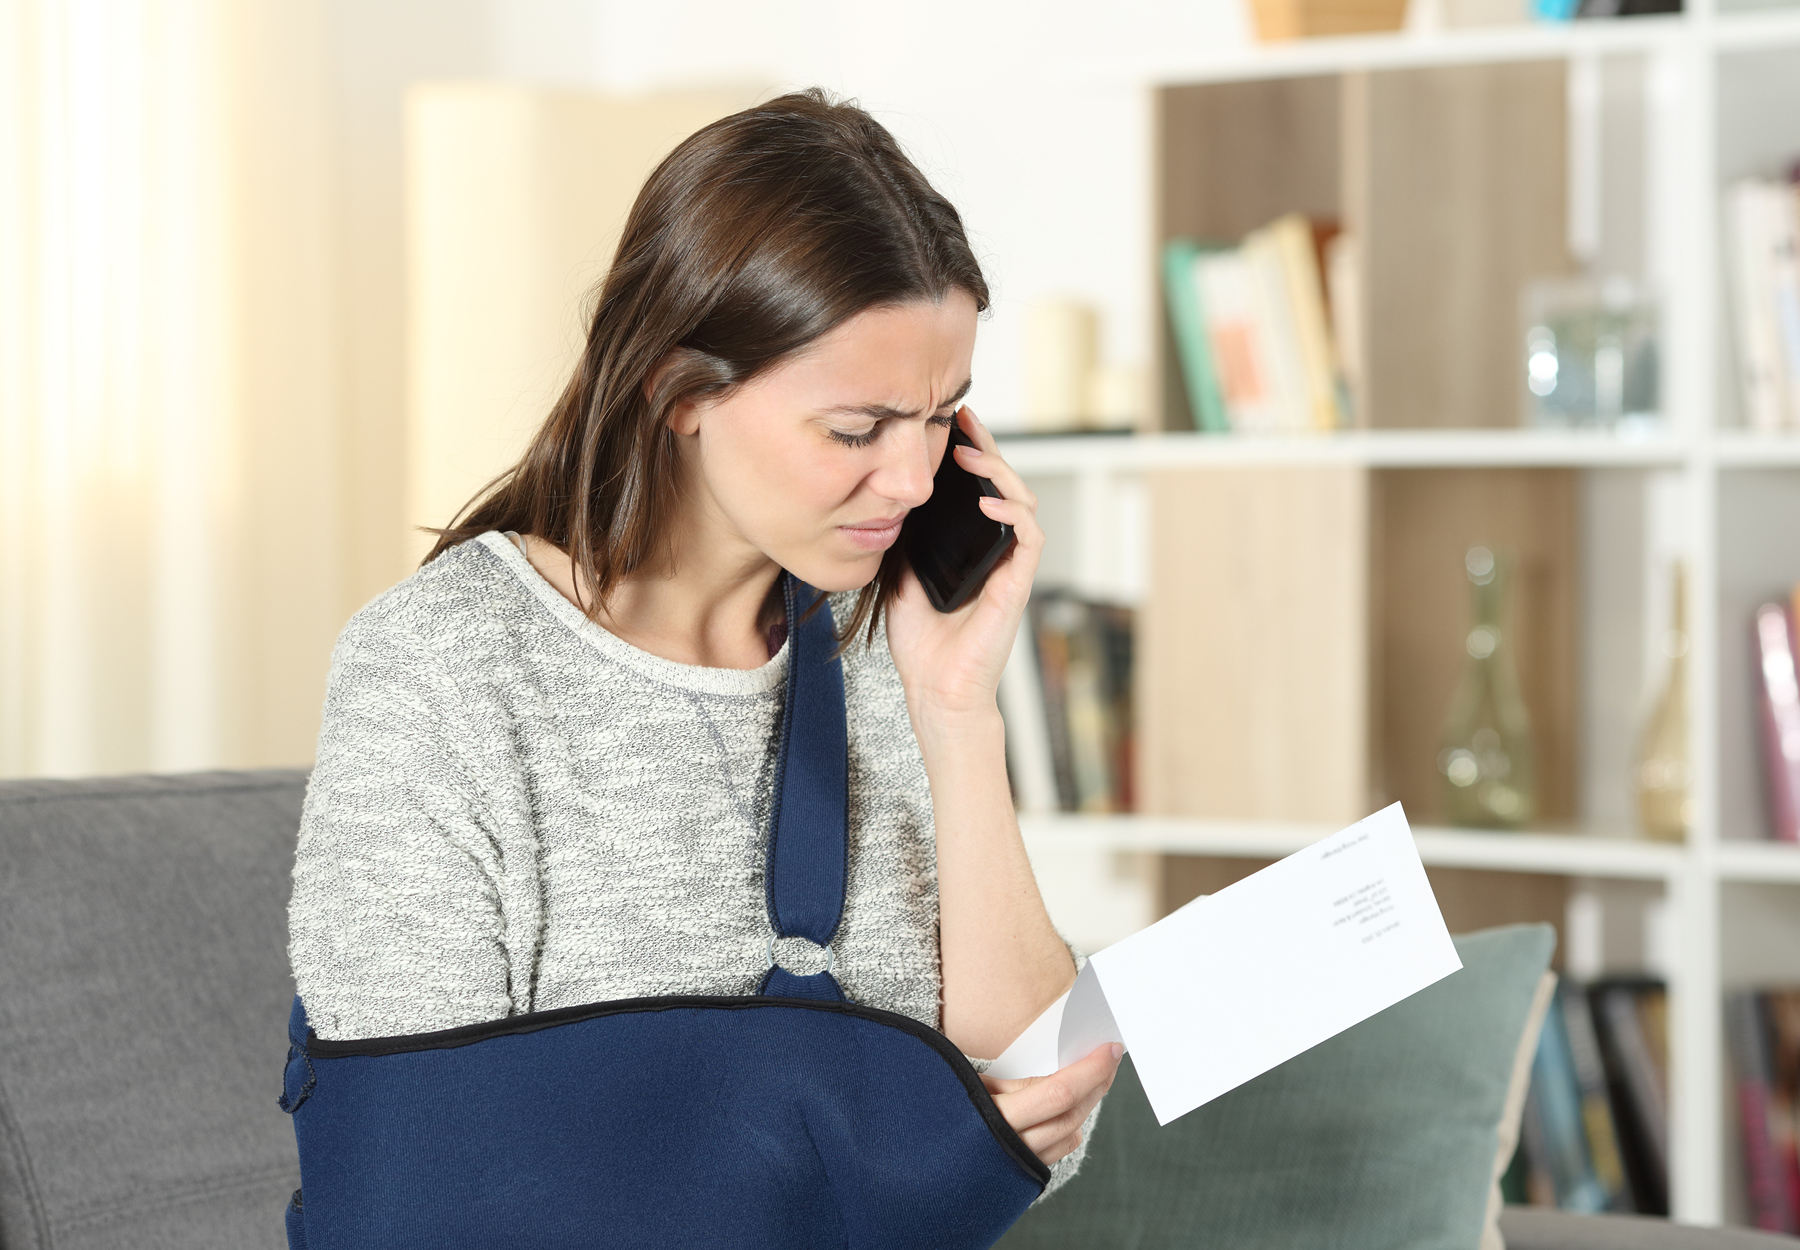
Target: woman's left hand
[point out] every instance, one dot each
(1047, 1112)
(950, 663)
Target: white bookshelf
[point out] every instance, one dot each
(1720, 98)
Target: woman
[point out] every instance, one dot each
(544, 776)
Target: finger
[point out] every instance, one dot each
(972, 426)
(994, 467)
(1051, 1096)
(1109, 1053)
(1067, 1146)
(1017, 566)
(1053, 1151)
(984, 460)
(1012, 512)
(1038, 1136)
(1071, 1120)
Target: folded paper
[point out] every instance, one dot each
(1238, 982)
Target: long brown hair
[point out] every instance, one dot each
(753, 238)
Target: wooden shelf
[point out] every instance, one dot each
(1584, 855)
(1378, 449)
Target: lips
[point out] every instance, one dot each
(877, 535)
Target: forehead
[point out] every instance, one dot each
(911, 351)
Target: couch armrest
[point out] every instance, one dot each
(1529, 1228)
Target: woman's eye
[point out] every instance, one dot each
(946, 419)
(862, 439)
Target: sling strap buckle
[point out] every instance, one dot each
(830, 956)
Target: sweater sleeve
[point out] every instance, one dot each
(1069, 1164)
(395, 923)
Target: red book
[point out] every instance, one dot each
(1745, 1032)
(1783, 1008)
(1778, 691)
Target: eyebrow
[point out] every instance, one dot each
(883, 412)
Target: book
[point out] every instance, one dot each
(1277, 325)
(1086, 707)
(1252, 326)
(1048, 623)
(1343, 286)
(1762, 222)
(1292, 239)
(1241, 352)
(1117, 630)
(1639, 1096)
(1534, 1145)
(1784, 258)
(1778, 701)
(1187, 324)
(1782, 1010)
(1564, 1135)
(1764, 1173)
(1749, 236)
(1030, 765)
(1084, 678)
(1596, 1100)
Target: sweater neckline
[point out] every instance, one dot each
(762, 680)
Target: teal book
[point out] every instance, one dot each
(1558, 1093)
(1604, 1150)
(1187, 317)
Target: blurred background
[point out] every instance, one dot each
(206, 308)
(1412, 391)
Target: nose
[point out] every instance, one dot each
(905, 472)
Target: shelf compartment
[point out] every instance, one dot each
(1452, 181)
(1575, 855)
(1306, 630)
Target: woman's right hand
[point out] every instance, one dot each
(1048, 1111)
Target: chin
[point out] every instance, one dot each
(833, 576)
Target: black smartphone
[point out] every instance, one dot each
(950, 542)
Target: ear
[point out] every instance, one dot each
(684, 418)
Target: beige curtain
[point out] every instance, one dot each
(171, 545)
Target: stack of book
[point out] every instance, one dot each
(1775, 646)
(1595, 1136)
(1259, 345)
(1763, 1031)
(1067, 701)
(1762, 218)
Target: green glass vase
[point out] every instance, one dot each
(1485, 760)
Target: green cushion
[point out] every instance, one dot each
(1382, 1138)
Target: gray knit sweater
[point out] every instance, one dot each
(513, 810)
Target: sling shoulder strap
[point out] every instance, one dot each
(808, 848)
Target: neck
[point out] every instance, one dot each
(714, 607)
(714, 617)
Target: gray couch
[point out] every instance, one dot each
(144, 995)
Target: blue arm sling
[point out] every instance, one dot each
(791, 1118)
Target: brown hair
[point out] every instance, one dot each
(753, 238)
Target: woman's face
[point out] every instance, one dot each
(815, 463)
